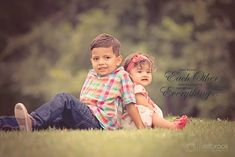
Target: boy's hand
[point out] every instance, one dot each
(135, 116)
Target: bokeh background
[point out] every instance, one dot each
(44, 48)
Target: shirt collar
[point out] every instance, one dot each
(114, 72)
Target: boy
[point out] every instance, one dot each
(105, 91)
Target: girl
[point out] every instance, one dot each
(140, 68)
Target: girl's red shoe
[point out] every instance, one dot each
(181, 122)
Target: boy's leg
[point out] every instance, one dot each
(64, 111)
(8, 123)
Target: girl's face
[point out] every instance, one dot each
(141, 74)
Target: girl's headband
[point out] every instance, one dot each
(135, 59)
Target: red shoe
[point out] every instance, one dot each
(181, 122)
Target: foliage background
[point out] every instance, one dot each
(44, 47)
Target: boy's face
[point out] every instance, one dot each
(104, 61)
(141, 74)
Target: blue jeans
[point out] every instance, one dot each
(8, 123)
(63, 111)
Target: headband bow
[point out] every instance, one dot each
(135, 59)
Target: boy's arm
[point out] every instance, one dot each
(135, 116)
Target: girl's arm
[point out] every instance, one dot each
(141, 100)
(135, 116)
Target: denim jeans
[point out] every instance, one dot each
(8, 123)
(63, 111)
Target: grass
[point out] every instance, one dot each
(200, 138)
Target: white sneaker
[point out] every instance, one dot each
(22, 117)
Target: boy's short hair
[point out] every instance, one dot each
(106, 40)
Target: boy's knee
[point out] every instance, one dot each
(66, 100)
(63, 95)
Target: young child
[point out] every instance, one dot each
(140, 68)
(106, 90)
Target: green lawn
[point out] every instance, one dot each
(199, 138)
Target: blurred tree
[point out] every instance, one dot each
(18, 18)
(191, 36)
(54, 57)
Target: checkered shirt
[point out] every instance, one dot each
(108, 95)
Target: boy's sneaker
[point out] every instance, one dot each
(22, 117)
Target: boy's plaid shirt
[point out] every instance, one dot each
(108, 95)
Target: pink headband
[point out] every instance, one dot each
(135, 59)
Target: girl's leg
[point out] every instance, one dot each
(64, 111)
(163, 123)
